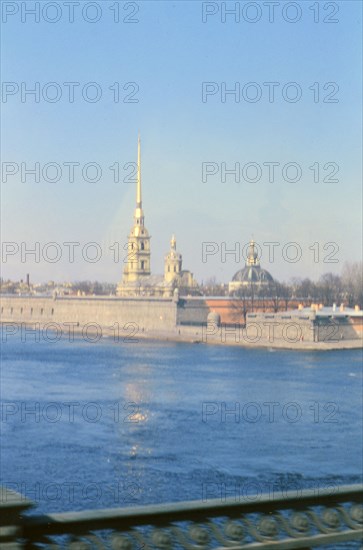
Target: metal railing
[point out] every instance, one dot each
(296, 521)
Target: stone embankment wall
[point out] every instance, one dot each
(143, 314)
(164, 318)
(308, 328)
(192, 311)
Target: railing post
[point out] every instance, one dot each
(12, 505)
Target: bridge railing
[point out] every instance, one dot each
(305, 520)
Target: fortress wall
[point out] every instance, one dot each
(344, 329)
(230, 310)
(297, 327)
(285, 327)
(357, 323)
(192, 311)
(147, 314)
(163, 315)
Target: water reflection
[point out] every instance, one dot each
(151, 441)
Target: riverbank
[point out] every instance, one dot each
(198, 337)
(221, 336)
(184, 320)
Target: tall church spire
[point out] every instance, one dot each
(139, 214)
(138, 185)
(138, 257)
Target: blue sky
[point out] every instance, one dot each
(169, 53)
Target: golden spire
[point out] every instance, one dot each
(138, 188)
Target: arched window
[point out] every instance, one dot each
(142, 245)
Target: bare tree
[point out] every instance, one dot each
(330, 289)
(352, 282)
(212, 287)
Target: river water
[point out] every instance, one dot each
(94, 425)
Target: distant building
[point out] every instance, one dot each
(137, 279)
(310, 324)
(251, 274)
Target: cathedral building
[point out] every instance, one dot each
(251, 274)
(137, 279)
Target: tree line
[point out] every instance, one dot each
(330, 288)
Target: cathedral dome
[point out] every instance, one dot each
(252, 274)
